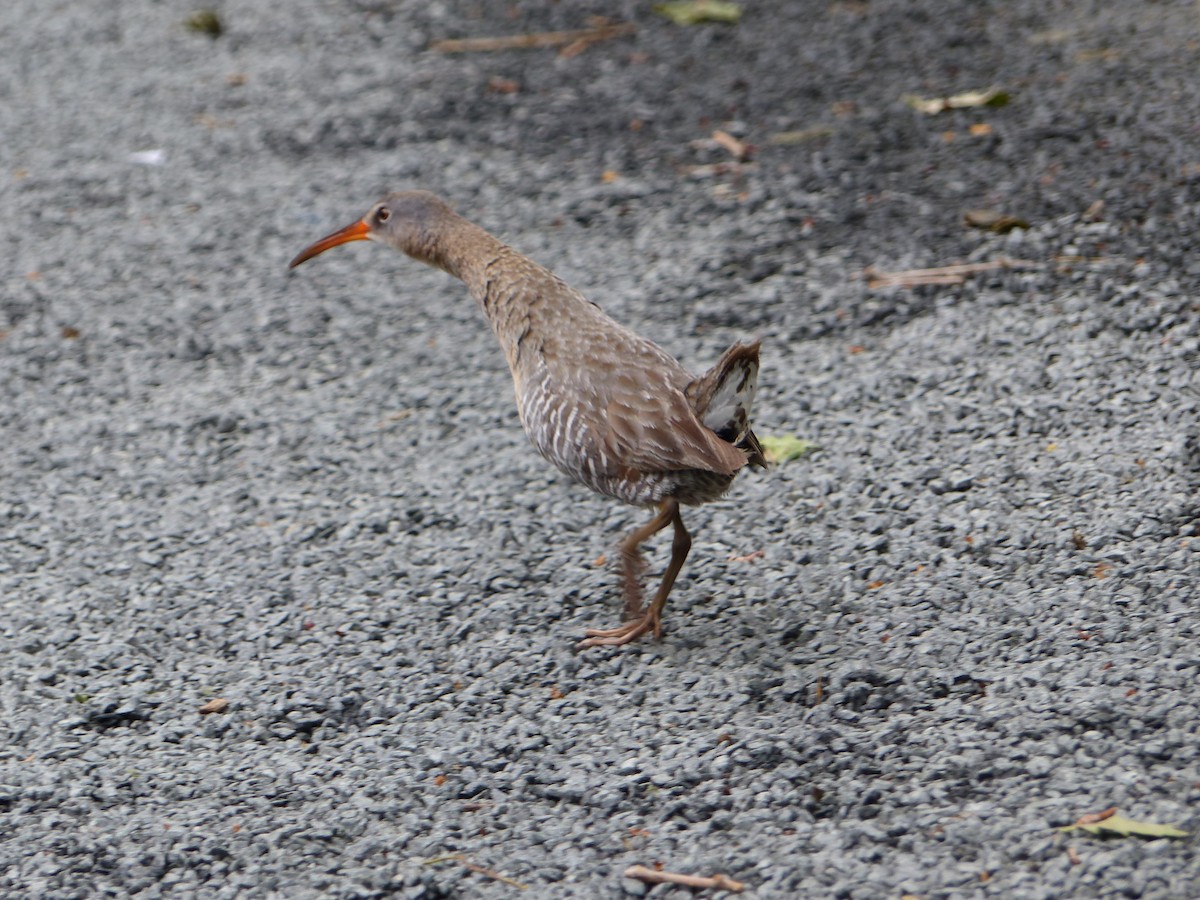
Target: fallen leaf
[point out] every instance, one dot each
(500, 85)
(1110, 823)
(749, 557)
(931, 106)
(204, 21)
(215, 705)
(785, 448)
(991, 220)
(980, 129)
(695, 12)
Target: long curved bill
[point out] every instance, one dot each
(359, 231)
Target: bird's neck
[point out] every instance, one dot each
(517, 295)
(456, 246)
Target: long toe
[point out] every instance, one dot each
(616, 637)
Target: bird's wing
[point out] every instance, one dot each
(651, 426)
(631, 394)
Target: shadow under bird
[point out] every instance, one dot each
(607, 407)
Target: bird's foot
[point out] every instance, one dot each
(623, 634)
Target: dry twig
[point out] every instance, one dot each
(718, 881)
(712, 170)
(572, 41)
(954, 274)
(475, 867)
(739, 150)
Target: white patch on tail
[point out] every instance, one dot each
(729, 408)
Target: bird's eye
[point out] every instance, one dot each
(383, 215)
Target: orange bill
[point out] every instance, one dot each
(359, 231)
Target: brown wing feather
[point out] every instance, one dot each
(627, 393)
(666, 436)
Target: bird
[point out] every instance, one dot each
(609, 408)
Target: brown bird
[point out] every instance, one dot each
(607, 407)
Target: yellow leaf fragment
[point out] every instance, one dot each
(694, 12)
(1118, 825)
(785, 448)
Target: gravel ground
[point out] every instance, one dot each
(973, 616)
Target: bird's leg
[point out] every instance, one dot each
(633, 564)
(651, 619)
(681, 545)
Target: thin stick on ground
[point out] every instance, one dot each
(718, 881)
(952, 274)
(534, 40)
(475, 867)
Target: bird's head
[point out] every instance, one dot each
(414, 222)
